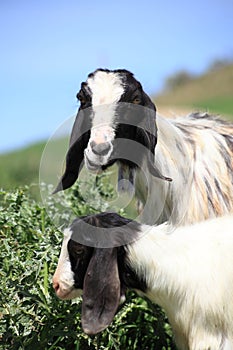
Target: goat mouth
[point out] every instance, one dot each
(99, 163)
(68, 295)
(61, 293)
(92, 166)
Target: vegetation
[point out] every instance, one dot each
(212, 91)
(179, 79)
(20, 167)
(31, 316)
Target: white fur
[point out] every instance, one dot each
(189, 272)
(64, 277)
(106, 89)
(195, 162)
(195, 152)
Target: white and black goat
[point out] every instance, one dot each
(188, 272)
(117, 122)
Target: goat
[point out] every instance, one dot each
(188, 272)
(181, 169)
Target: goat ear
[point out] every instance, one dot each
(78, 142)
(151, 125)
(74, 163)
(101, 291)
(156, 172)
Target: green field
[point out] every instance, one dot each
(220, 105)
(31, 317)
(20, 167)
(212, 92)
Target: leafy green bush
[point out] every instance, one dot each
(31, 316)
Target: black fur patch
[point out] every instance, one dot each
(80, 255)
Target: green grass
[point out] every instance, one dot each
(24, 166)
(212, 91)
(220, 105)
(20, 167)
(31, 316)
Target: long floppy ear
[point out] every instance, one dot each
(150, 124)
(74, 159)
(101, 291)
(74, 163)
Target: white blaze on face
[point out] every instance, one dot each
(63, 279)
(107, 89)
(102, 133)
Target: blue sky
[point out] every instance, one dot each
(49, 47)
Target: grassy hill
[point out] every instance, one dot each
(33, 317)
(212, 91)
(20, 167)
(37, 162)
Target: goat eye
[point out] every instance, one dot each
(75, 249)
(136, 100)
(79, 251)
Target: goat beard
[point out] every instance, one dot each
(127, 174)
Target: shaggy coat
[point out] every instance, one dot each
(182, 169)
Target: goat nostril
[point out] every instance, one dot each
(93, 144)
(56, 286)
(101, 148)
